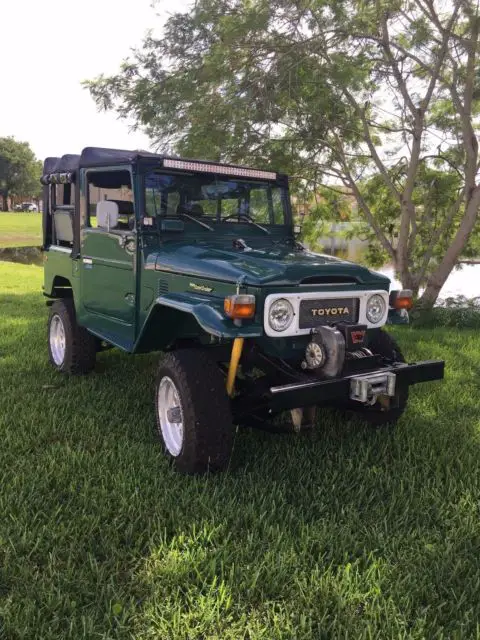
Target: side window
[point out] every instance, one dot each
(64, 194)
(114, 186)
(62, 208)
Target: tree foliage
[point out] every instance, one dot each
(20, 170)
(434, 195)
(333, 93)
(328, 208)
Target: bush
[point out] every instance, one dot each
(459, 312)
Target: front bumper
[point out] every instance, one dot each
(338, 390)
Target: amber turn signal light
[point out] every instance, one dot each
(401, 299)
(240, 306)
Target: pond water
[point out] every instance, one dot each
(464, 281)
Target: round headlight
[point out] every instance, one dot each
(376, 308)
(280, 315)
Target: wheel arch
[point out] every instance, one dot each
(61, 287)
(179, 316)
(166, 325)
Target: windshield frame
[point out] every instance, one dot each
(217, 220)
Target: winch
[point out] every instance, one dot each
(330, 346)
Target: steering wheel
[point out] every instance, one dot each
(237, 215)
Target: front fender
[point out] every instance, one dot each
(398, 316)
(175, 315)
(210, 315)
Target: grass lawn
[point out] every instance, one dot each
(347, 532)
(20, 229)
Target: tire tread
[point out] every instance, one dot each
(80, 353)
(207, 419)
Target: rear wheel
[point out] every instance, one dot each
(71, 348)
(388, 411)
(193, 414)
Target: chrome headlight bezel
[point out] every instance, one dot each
(289, 309)
(378, 301)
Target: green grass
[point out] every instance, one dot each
(20, 229)
(342, 533)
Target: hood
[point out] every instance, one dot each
(279, 265)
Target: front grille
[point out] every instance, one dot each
(317, 312)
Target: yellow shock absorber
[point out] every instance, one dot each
(234, 360)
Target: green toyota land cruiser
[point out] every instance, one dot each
(199, 260)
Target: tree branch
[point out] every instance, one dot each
(438, 234)
(368, 139)
(348, 181)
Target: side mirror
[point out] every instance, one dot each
(107, 214)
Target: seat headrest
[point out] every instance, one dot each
(194, 209)
(107, 214)
(125, 207)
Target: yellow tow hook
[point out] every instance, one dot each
(233, 366)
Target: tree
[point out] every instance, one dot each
(327, 208)
(334, 92)
(20, 171)
(434, 195)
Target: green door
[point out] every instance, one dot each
(108, 258)
(108, 274)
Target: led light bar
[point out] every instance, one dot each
(239, 172)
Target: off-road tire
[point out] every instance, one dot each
(208, 432)
(80, 345)
(380, 342)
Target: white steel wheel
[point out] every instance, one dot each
(71, 348)
(193, 417)
(57, 340)
(170, 416)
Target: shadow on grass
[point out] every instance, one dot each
(343, 531)
(22, 255)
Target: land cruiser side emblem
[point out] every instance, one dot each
(330, 311)
(201, 287)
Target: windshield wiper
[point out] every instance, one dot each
(202, 224)
(259, 226)
(248, 218)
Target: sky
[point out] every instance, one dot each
(47, 47)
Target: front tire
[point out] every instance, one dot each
(380, 342)
(193, 416)
(71, 348)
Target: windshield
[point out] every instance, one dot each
(215, 199)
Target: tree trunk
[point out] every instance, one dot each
(5, 201)
(450, 259)
(407, 279)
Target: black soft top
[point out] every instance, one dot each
(63, 169)
(60, 170)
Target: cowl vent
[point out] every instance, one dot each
(162, 287)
